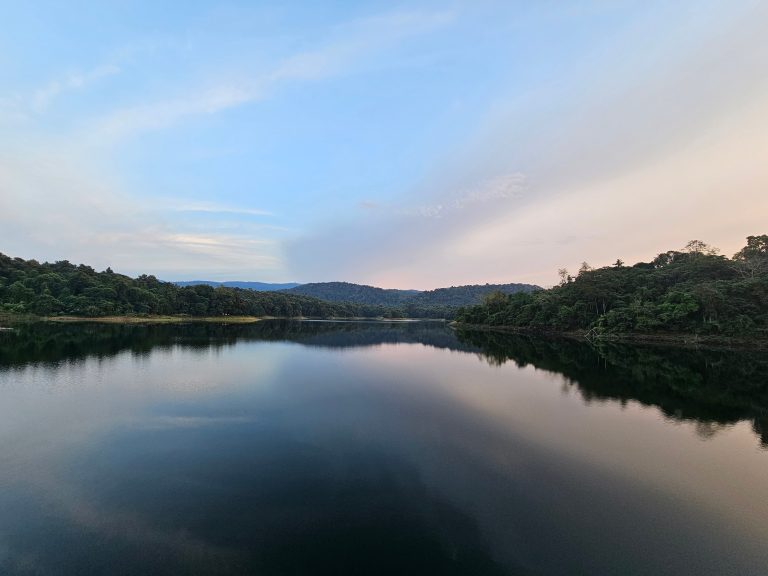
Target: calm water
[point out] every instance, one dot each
(337, 448)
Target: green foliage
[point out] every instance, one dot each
(694, 290)
(409, 301)
(62, 288)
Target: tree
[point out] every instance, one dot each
(698, 247)
(692, 291)
(752, 260)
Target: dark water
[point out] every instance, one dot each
(325, 448)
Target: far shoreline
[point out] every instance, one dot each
(677, 340)
(183, 319)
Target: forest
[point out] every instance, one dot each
(406, 300)
(694, 290)
(66, 289)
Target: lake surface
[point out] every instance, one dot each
(371, 448)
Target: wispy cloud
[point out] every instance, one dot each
(55, 185)
(632, 159)
(505, 187)
(214, 208)
(556, 163)
(93, 222)
(43, 97)
(346, 48)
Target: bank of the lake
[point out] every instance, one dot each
(665, 339)
(152, 319)
(10, 320)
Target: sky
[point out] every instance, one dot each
(400, 144)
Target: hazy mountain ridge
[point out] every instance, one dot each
(469, 294)
(351, 293)
(65, 289)
(354, 293)
(363, 294)
(258, 286)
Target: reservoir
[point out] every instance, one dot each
(288, 447)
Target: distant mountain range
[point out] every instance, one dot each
(65, 289)
(258, 286)
(349, 293)
(354, 293)
(361, 294)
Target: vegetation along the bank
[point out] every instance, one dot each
(690, 291)
(694, 290)
(65, 289)
(28, 287)
(62, 288)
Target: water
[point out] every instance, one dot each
(340, 448)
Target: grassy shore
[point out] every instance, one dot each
(152, 319)
(11, 319)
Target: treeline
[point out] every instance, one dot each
(458, 296)
(693, 290)
(62, 288)
(348, 292)
(406, 300)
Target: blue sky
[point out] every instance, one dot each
(410, 144)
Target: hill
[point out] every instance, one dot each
(692, 291)
(62, 288)
(442, 297)
(468, 295)
(258, 286)
(66, 289)
(353, 293)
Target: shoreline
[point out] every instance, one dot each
(10, 320)
(678, 340)
(149, 319)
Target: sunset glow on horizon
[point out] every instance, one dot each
(402, 145)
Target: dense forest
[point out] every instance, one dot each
(467, 295)
(66, 289)
(454, 296)
(348, 292)
(62, 288)
(693, 290)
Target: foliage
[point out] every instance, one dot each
(694, 290)
(353, 293)
(406, 300)
(62, 288)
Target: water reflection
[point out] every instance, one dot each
(322, 448)
(714, 388)
(51, 343)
